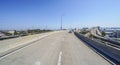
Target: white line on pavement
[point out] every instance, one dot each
(37, 63)
(60, 57)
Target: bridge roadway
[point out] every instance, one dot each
(60, 48)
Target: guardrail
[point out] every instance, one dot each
(112, 42)
(9, 37)
(108, 40)
(111, 54)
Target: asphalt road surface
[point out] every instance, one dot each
(61, 48)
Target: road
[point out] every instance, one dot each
(61, 48)
(11, 43)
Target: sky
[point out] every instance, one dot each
(46, 14)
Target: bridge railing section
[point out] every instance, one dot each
(109, 53)
(112, 42)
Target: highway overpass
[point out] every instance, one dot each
(60, 48)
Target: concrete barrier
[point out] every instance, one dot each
(112, 55)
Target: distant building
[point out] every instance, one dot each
(109, 34)
(113, 33)
(117, 34)
(11, 32)
(2, 34)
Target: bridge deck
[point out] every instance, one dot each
(61, 48)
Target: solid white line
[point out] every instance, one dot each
(60, 57)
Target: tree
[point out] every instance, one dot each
(103, 33)
(15, 32)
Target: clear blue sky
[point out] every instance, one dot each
(26, 14)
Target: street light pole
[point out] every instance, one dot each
(61, 22)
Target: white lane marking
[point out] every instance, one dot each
(60, 57)
(37, 63)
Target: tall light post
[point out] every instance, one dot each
(61, 21)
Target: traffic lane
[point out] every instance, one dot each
(6, 45)
(44, 52)
(76, 52)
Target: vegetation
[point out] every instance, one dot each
(103, 33)
(90, 36)
(28, 32)
(6, 33)
(36, 31)
(15, 32)
(23, 33)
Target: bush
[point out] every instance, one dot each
(103, 33)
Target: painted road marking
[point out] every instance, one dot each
(37, 63)
(60, 57)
